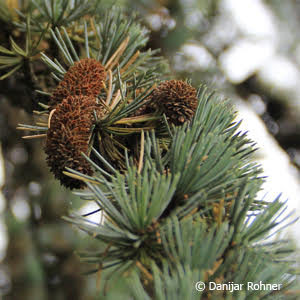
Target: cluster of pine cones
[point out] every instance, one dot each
(74, 101)
(72, 107)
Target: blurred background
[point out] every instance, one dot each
(249, 51)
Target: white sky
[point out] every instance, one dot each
(255, 52)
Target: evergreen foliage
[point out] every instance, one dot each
(179, 202)
(187, 219)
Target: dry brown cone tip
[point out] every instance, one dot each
(85, 77)
(177, 99)
(69, 135)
